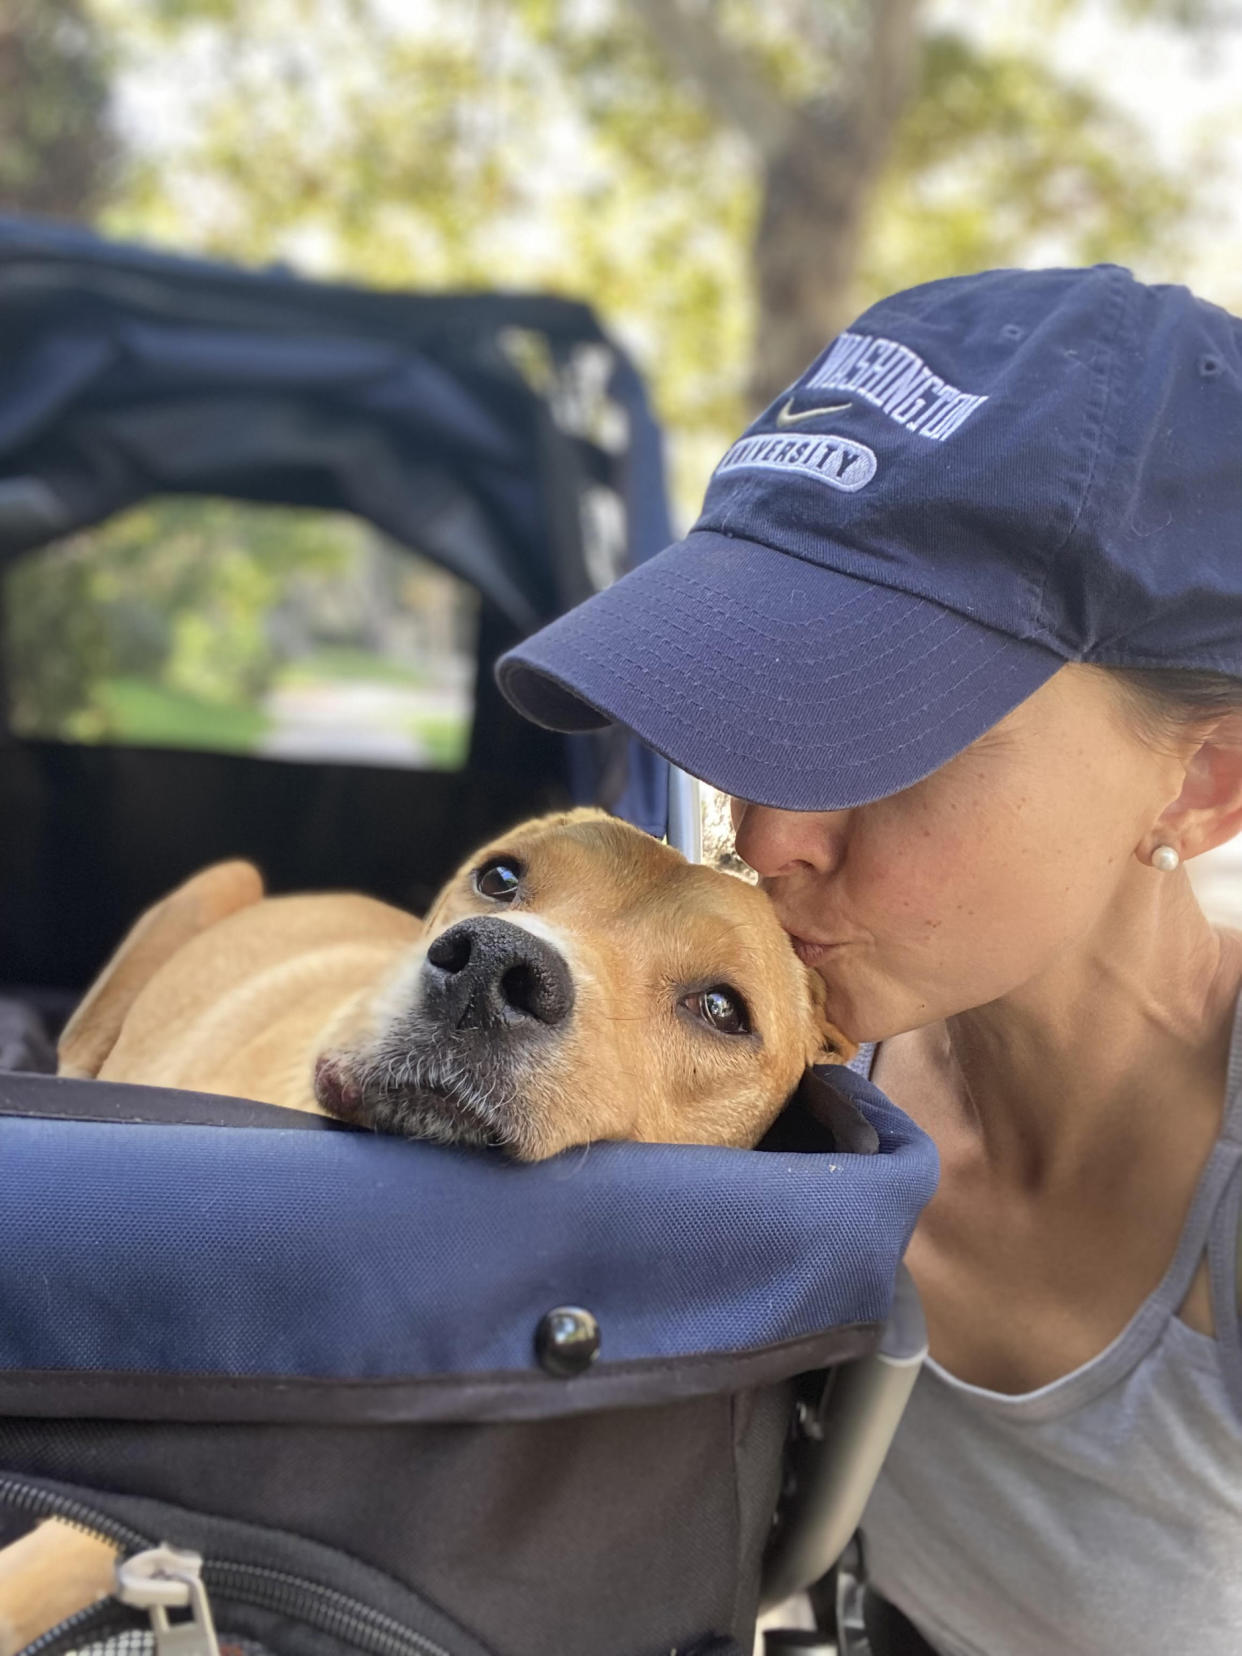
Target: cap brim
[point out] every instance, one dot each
(773, 678)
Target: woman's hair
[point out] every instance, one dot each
(1168, 706)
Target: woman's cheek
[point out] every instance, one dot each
(915, 878)
(945, 915)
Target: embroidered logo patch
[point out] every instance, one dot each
(837, 461)
(892, 378)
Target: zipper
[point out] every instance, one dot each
(157, 1578)
(163, 1579)
(334, 1612)
(48, 1503)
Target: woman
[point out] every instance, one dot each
(960, 628)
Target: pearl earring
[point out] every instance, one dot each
(1165, 857)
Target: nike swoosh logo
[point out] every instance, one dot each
(786, 416)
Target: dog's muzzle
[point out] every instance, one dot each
(490, 995)
(489, 975)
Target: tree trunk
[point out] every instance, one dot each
(819, 162)
(804, 257)
(56, 143)
(816, 190)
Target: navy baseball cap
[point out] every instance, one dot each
(980, 480)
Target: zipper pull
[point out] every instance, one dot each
(161, 1579)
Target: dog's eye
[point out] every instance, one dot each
(498, 878)
(721, 1007)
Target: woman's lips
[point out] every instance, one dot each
(811, 953)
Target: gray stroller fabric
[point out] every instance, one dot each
(24, 1043)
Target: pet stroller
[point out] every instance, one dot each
(326, 1392)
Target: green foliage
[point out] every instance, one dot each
(445, 737)
(175, 594)
(57, 643)
(210, 623)
(500, 145)
(56, 143)
(999, 159)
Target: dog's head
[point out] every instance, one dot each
(578, 980)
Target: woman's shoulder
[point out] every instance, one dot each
(1229, 976)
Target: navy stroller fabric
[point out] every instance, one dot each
(130, 371)
(258, 1335)
(401, 1281)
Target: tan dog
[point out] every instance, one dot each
(576, 980)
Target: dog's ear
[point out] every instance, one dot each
(832, 1045)
(815, 1108)
(154, 938)
(817, 1097)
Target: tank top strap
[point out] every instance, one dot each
(1212, 1224)
(1231, 1124)
(1224, 1244)
(864, 1058)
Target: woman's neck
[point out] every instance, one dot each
(1123, 1043)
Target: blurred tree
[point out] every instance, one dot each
(879, 150)
(726, 181)
(56, 141)
(174, 594)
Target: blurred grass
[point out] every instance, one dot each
(150, 714)
(142, 712)
(446, 736)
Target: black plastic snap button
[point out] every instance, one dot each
(567, 1340)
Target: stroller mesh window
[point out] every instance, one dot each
(191, 622)
(140, 1641)
(133, 1641)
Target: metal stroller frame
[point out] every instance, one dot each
(842, 1440)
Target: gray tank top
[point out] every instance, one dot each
(1100, 1515)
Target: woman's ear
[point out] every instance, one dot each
(1208, 810)
(831, 1045)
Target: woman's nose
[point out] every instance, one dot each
(780, 842)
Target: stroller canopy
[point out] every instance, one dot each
(130, 372)
(504, 436)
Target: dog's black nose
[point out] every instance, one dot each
(489, 974)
